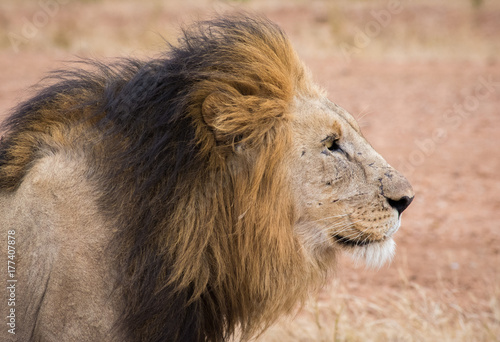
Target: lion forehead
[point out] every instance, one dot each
(317, 117)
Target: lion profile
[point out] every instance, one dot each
(190, 196)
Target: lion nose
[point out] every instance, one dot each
(400, 204)
(397, 190)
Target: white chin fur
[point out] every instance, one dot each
(374, 255)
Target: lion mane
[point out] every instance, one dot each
(203, 243)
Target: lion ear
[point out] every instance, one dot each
(215, 106)
(210, 107)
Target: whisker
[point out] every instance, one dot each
(362, 114)
(347, 225)
(330, 217)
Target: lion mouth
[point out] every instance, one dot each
(362, 241)
(345, 241)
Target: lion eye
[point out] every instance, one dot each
(332, 145)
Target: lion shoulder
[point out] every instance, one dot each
(62, 239)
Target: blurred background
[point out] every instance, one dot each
(423, 79)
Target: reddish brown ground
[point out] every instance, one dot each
(403, 89)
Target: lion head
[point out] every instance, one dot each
(229, 180)
(347, 196)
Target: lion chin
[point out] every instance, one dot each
(189, 197)
(374, 255)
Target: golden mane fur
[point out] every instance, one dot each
(204, 243)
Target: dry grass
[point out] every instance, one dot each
(458, 28)
(415, 28)
(410, 313)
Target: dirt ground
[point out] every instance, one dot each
(423, 81)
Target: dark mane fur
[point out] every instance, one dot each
(204, 242)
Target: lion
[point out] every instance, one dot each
(189, 197)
